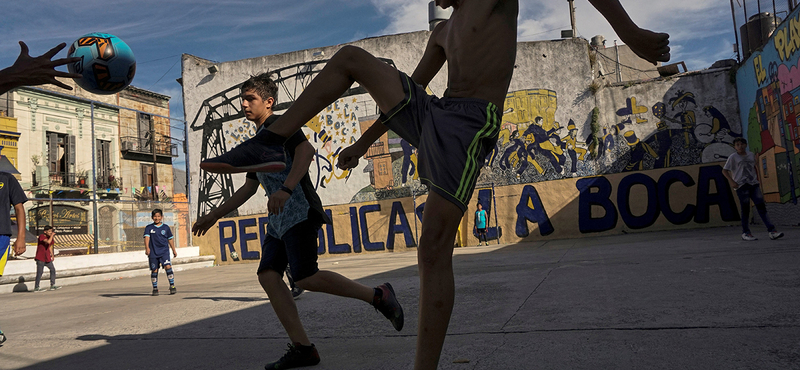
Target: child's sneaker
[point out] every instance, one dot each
(775, 235)
(253, 155)
(2, 337)
(297, 291)
(297, 356)
(55, 287)
(387, 304)
(172, 290)
(155, 292)
(39, 289)
(749, 237)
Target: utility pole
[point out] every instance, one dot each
(572, 17)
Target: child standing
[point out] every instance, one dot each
(740, 170)
(157, 243)
(44, 258)
(480, 224)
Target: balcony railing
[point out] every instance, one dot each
(59, 179)
(163, 146)
(72, 180)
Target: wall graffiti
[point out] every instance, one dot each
(675, 131)
(768, 85)
(633, 201)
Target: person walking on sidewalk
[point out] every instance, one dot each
(157, 243)
(44, 258)
(740, 170)
(295, 216)
(480, 224)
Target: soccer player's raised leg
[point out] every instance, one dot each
(264, 152)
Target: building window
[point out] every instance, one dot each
(104, 166)
(145, 125)
(382, 169)
(764, 167)
(61, 155)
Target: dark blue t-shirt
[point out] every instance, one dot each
(10, 194)
(159, 239)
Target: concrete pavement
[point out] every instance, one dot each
(687, 299)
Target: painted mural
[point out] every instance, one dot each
(768, 85)
(696, 196)
(644, 156)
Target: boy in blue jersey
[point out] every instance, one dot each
(157, 243)
(295, 216)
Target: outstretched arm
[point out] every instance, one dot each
(237, 199)
(650, 46)
(30, 71)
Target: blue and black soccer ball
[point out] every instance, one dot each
(107, 63)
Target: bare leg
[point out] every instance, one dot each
(282, 302)
(437, 287)
(350, 64)
(336, 284)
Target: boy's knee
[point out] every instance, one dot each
(348, 55)
(307, 283)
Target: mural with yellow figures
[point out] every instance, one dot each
(679, 129)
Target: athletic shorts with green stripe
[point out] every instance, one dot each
(453, 136)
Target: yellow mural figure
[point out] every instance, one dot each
(522, 106)
(414, 161)
(637, 149)
(686, 117)
(575, 152)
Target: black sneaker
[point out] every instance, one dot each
(253, 155)
(297, 356)
(387, 304)
(155, 292)
(2, 337)
(172, 290)
(297, 291)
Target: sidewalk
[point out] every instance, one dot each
(687, 299)
(20, 274)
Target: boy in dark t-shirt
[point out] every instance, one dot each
(295, 216)
(157, 243)
(11, 194)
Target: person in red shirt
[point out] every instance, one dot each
(44, 258)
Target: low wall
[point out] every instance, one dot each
(662, 199)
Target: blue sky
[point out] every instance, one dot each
(159, 31)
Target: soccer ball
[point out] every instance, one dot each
(107, 63)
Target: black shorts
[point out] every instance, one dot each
(452, 135)
(297, 248)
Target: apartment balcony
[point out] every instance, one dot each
(141, 149)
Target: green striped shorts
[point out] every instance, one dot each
(453, 136)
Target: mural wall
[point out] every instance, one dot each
(768, 85)
(560, 130)
(693, 196)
